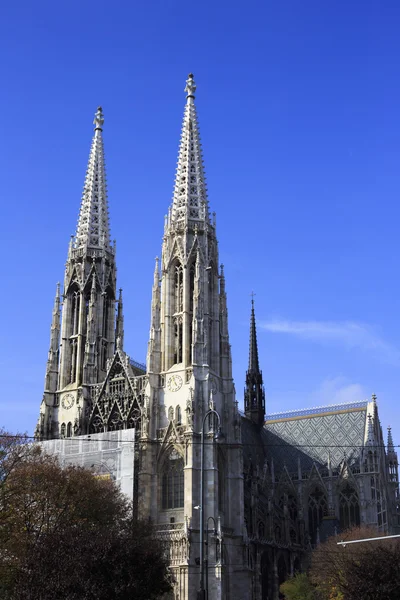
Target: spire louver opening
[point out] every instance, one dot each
(93, 224)
(190, 193)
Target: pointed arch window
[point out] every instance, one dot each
(178, 415)
(292, 507)
(69, 430)
(75, 307)
(178, 281)
(178, 341)
(349, 507)
(172, 481)
(63, 430)
(317, 510)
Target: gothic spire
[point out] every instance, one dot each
(253, 349)
(254, 395)
(93, 224)
(190, 192)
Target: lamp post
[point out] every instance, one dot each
(207, 550)
(219, 436)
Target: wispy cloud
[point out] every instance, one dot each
(348, 333)
(337, 390)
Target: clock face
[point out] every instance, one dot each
(68, 401)
(174, 383)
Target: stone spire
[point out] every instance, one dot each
(119, 330)
(93, 224)
(254, 395)
(190, 192)
(51, 379)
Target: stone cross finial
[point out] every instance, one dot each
(190, 86)
(99, 118)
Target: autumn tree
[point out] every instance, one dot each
(369, 570)
(67, 534)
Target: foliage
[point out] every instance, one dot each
(369, 570)
(299, 587)
(66, 534)
(121, 562)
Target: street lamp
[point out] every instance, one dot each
(218, 437)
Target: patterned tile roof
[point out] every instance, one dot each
(313, 434)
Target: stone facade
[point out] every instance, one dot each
(275, 486)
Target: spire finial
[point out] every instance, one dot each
(99, 119)
(190, 88)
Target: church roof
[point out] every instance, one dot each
(319, 435)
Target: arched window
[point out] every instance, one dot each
(292, 507)
(349, 507)
(76, 303)
(105, 316)
(178, 342)
(317, 509)
(69, 429)
(261, 530)
(115, 422)
(178, 415)
(178, 288)
(172, 493)
(62, 430)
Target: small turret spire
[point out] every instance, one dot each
(93, 225)
(190, 201)
(119, 330)
(253, 349)
(52, 360)
(254, 395)
(392, 461)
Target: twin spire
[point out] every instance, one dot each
(93, 228)
(190, 192)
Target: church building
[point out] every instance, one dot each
(239, 498)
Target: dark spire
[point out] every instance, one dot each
(254, 395)
(253, 351)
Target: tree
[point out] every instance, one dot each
(122, 563)
(369, 570)
(66, 534)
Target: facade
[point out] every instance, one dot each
(276, 485)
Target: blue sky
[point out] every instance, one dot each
(298, 105)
